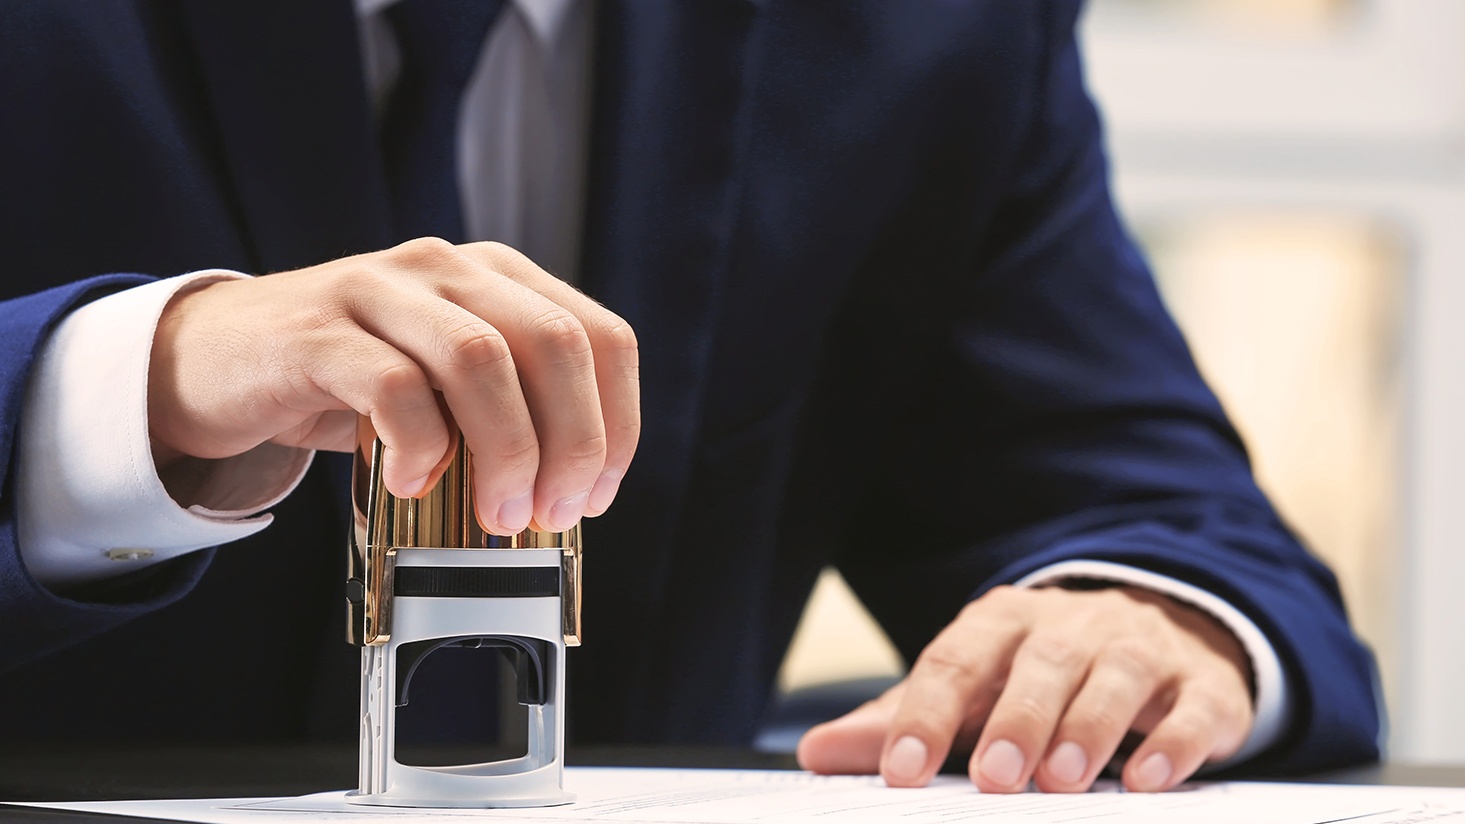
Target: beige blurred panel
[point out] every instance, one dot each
(1294, 320)
(1259, 16)
(837, 640)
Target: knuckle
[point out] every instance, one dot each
(1003, 629)
(999, 603)
(626, 436)
(1196, 719)
(350, 283)
(1134, 657)
(477, 348)
(1018, 603)
(501, 251)
(562, 335)
(1209, 706)
(1028, 713)
(518, 449)
(1101, 720)
(397, 385)
(620, 337)
(974, 610)
(1000, 595)
(1054, 650)
(585, 454)
(948, 664)
(427, 251)
(1188, 732)
(505, 260)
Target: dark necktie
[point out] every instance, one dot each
(440, 41)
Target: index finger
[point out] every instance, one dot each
(957, 676)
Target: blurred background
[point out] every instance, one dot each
(1295, 170)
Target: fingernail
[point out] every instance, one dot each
(604, 491)
(414, 488)
(1002, 763)
(1153, 773)
(1068, 763)
(907, 759)
(567, 511)
(514, 514)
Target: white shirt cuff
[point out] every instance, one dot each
(1273, 705)
(90, 504)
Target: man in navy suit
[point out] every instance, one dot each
(884, 318)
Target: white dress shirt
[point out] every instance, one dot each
(89, 499)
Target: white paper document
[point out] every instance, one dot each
(782, 797)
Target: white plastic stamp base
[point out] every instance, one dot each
(533, 780)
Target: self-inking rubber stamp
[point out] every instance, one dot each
(425, 576)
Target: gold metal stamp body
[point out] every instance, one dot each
(442, 518)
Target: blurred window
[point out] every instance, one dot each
(1255, 16)
(1294, 320)
(837, 640)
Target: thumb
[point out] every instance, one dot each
(852, 743)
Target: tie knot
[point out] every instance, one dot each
(440, 40)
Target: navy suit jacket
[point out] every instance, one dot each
(889, 321)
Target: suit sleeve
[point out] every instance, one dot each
(34, 621)
(1055, 414)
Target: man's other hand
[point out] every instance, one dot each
(1048, 683)
(541, 380)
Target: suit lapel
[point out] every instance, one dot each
(285, 83)
(669, 129)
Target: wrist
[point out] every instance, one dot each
(167, 410)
